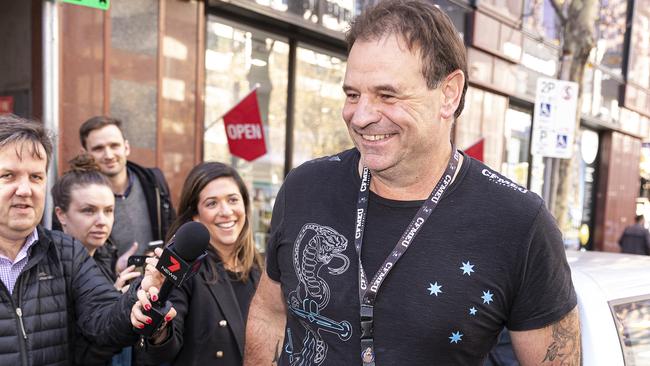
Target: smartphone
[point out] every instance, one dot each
(136, 260)
(155, 244)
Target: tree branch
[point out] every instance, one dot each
(558, 12)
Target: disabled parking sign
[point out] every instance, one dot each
(556, 103)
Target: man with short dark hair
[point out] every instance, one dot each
(635, 238)
(143, 207)
(405, 251)
(51, 290)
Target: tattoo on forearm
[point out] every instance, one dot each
(565, 348)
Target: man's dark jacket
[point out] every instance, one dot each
(159, 203)
(60, 292)
(635, 240)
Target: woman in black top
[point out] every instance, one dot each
(212, 307)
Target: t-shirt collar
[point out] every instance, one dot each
(131, 179)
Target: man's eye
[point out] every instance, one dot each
(352, 96)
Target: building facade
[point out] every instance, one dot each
(170, 69)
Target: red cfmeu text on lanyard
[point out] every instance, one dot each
(368, 294)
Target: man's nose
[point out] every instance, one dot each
(24, 188)
(365, 112)
(108, 153)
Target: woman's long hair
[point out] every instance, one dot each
(200, 176)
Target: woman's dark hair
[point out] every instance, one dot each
(83, 172)
(199, 177)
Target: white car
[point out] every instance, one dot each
(614, 301)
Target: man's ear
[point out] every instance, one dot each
(127, 148)
(452, 90)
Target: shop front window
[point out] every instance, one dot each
(582, 192)
(639, 58)
(319, 129)
(540, 18)
(517, 137)
(605, 96)
(611, 34)
(484, 118)
(457, 13)
(509, 8)
(331, 14)
(238, 59)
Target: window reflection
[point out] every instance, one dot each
(468, 125)
(540, 18)
(605, 96)
(639, 65)
(318, 127)
(517, 137)
(632, 320)
(456, 12)
(509, 8)
(238, 59)
(483, 118)
(332, 14)
(540, 57)
(611, 34)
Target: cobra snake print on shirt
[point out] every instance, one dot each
(323, 245)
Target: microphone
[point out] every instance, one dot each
(180, 260)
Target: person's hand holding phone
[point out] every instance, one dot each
(123, 278)
(122, 261)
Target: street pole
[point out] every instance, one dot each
(51, 94)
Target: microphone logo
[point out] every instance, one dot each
(175, 266)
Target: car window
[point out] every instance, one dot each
(632, 318)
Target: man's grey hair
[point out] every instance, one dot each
(25, 133)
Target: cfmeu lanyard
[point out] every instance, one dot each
(368, 294)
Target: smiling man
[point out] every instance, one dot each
(143, 207)
(403, 250)
(51, 289)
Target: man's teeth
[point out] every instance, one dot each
(226, 225)
(375, 137)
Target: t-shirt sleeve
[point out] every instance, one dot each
(546, 292)
(272, 266)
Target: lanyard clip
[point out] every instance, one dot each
(367, 319)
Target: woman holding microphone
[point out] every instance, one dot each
(212, 306)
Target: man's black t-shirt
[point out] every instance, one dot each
(490, 255)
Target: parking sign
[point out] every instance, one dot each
(556, 103)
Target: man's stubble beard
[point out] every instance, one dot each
(113, 174)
